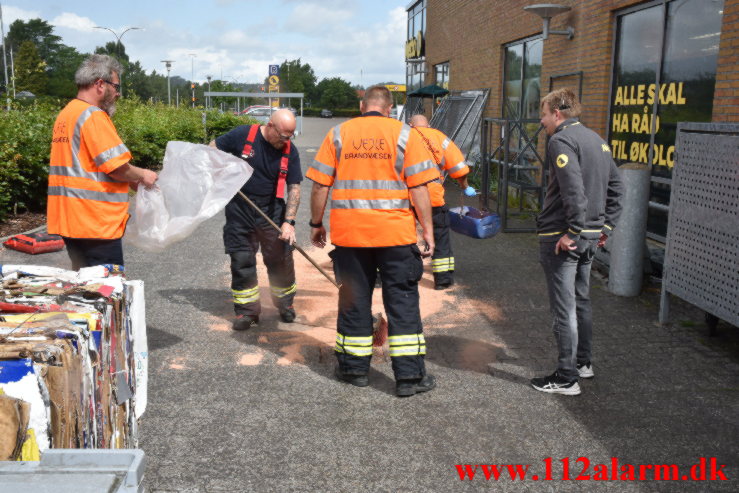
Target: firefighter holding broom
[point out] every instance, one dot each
(274, 189)
(374, 165)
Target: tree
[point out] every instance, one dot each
(61, 79)
(336, 93)
(297, 77)
(116, 50)
(39, 32)
(30, 70)
(61, 61)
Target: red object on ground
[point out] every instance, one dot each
(35, 243)
(379, 330)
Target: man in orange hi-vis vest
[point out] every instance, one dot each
(450, 160)
(89, 172)
(375, 164)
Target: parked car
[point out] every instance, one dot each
(249, 108)
(326, 113)
(260, 113)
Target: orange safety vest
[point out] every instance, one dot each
(449, 158)
(84, 202)
(371, 162)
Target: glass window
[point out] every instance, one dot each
(521, 96)
(522, 73)
(417, 19)
(531, 79)
(441, 72)
(415, 72)
(687, 68)
(512, 85)
(414, 75)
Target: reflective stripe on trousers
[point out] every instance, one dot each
(243, 296)
(442, 264)
(282, 292)
(357, 346)
(407, 345)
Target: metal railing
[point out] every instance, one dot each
(511, 162)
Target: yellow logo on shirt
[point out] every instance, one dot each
(605, 148)
(562, 160)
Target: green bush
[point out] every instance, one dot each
(25, 140)
(145, 128)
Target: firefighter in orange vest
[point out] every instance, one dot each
(90, 172)
(274, 187)
(450, 161)
(374, 163)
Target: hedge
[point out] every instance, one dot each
(25, 141)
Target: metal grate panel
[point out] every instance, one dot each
(458, 117)
(702, 253)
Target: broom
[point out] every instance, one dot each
(294, 245)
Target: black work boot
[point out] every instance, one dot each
(245, 322)
(287, 315)
(407, 388)
(356, 380)
(443, 282)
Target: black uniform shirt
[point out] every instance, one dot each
(265, 162)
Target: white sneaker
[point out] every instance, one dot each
(553, 384)
(585, 370)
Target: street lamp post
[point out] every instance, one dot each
(5, 60)
(192, 76)
(209, 77)
(118, 47)
(168, 64)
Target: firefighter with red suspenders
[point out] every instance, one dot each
(275, 188)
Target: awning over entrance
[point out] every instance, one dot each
(432, 91)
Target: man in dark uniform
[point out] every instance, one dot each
(276, 163)
(581, 208)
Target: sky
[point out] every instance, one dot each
(236, 40)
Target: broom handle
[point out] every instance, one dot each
(295, 245)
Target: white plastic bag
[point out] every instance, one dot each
(196, 182)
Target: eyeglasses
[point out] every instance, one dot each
(117, 87)
(282, 136)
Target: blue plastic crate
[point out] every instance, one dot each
(462, 220)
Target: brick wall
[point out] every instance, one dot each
(726, 96)
(470, 35)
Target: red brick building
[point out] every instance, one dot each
(621, 51)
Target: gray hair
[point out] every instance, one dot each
(97, 67)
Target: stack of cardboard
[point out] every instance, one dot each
(72, 360)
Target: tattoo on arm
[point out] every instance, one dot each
(293, 200)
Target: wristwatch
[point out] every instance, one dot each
(291, 222)
(316, 225)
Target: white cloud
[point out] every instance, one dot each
(318, 19)
(73, 21)
(338, 38)
(238, 39)
(369, 55)
(11, 14)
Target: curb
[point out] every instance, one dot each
(34, 230)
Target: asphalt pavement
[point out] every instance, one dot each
(261, 411)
